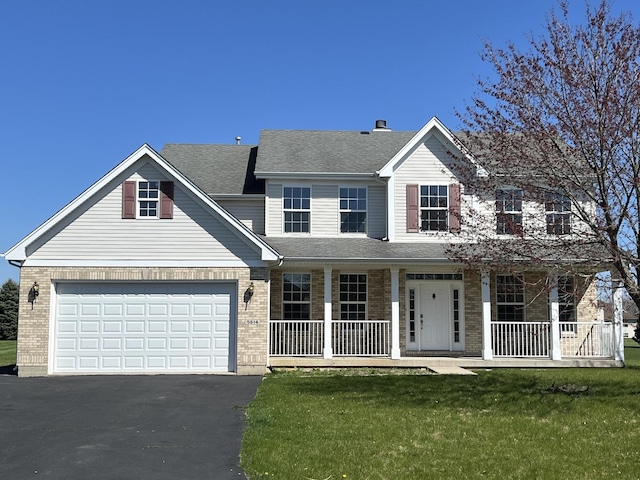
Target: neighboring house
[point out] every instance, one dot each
(324, 248)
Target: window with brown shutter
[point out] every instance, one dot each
(129, 199)
(412, 209)
(454, 208)
(166, 199)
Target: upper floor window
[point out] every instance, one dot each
(148, 196)
(147, 199)
(509, 211)
(509, 298)
(353, 210)
(558, 213)
(434, 208)
(297, 209)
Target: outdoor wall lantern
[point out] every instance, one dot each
(248, 294)
(33, 294)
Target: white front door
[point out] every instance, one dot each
(435, 316)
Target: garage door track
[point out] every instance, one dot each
(123, 427)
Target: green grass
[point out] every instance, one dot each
(554, 423)
(7, 352)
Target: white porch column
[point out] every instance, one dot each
(487, 351)
(556, 348)
(618, 325)
(328, 348)
(395, 313)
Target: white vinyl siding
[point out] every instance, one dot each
(377, 211)
(193, 233)
(249, 212)
(429, 164)
(273, 209)
(324, 210)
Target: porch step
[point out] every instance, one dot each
(450, 370)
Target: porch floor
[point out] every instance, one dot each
(435, 363)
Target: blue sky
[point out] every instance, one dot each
(84, 83)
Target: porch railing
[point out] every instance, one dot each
(290, 338)
(520, 339)
(587, 339)
(367, 338)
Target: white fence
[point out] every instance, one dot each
(291, 338)
(587, 339)
(520, 339)
(533, 339)
(372, 338)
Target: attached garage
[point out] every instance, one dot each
(143, 328)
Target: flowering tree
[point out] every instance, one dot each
(559, 126)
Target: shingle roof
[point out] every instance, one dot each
(354, 249)
(322, 151)
(217, 169)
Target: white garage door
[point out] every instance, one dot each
(144, 328)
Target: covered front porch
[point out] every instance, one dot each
(390, 342)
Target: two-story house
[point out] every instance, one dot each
(312, 248)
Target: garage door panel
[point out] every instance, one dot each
(111, 328)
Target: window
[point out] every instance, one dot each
(566, 304)
(353, 297)
(434, 208)
(510, 298)
(558, 210)
(296, 296)
(353, 210)
(509, 211)
(148, 197)
(297, 209)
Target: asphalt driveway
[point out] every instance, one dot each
(174, 427)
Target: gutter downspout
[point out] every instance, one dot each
(376, 177)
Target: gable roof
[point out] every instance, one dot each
(18, 251)
(433, 125)
(217, 169)
(326, 152)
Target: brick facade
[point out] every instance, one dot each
(33, 327)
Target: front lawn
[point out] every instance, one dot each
(7, 352)
(554, 423)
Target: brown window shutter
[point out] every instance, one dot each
(454, 208)
(166, 199)
(129, 199)
(413, 210)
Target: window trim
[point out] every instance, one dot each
(439, 208)
(296, 210)
(296, 302)
(349, 210)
